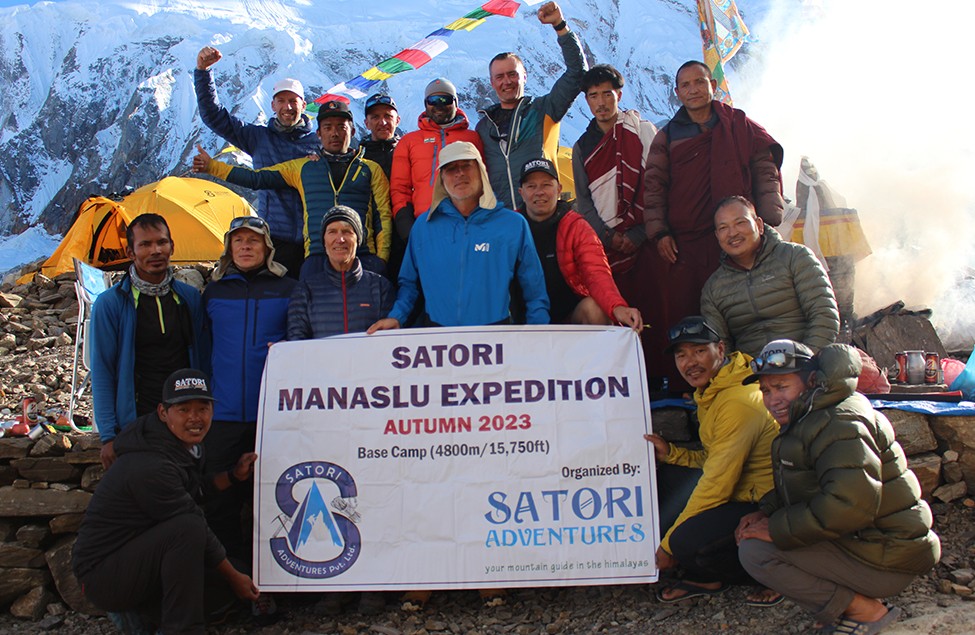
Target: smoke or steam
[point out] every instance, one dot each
(878, 95)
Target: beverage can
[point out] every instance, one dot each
(932, 364)
(901, 360)
(30, 410)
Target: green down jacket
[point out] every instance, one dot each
(785, 295)
(840, 475)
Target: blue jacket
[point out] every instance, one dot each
(242, 317)
(465, 267)
(281, 208)
(534, 125)
(113, 353)
(331, 302)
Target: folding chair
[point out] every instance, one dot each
(91, 282)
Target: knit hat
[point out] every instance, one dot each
(441, 85)
(257, 225)
(343, 213)
(781, 357)
(461, 151)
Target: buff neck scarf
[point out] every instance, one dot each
(155, 290)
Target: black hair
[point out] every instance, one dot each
(145, 220)
(600, 74)
(728, 200)
(690, 63)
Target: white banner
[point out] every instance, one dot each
(438, 458)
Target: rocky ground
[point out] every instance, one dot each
(36, 329)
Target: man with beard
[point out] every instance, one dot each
(288, 135)
(142, 329)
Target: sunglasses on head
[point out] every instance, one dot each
(376, 100)
(691, 329)
(254, 222)
(440, 100)
(778, 359)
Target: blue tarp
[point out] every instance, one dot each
(928, 407)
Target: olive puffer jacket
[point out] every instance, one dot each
(785, 295)
(841, 476)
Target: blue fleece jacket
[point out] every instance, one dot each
(465, 267)
(113, 353)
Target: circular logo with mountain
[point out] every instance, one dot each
(315, 539)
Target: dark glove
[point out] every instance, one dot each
(404, 220)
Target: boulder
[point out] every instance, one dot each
(59, 562)
(14, 555)
(51, 445)
(950, 492)
(16, 502)
(46, 469)
(33, 604)
(15, 448)
(958, 433)
(66, 523)
(912, 430)
(33, 534)
(927, 469)
(17, 581)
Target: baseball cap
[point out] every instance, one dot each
(539, 165)
(380, 100)
(780, 357)
(440, 85)
(334, 108)
(186, 384)
(692, 330)
(289, 84)
(343, 213)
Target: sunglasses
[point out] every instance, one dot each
(778, 359)
(691, 329)
(439, 100)
(254, 222)
(376, 100)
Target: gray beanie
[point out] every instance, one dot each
(343, 213)
(440, 85)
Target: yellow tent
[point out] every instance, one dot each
(198, 213)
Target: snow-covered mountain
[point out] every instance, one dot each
(98, 97)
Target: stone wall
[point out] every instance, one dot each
(45, 487)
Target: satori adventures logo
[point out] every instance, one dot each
(313, 540)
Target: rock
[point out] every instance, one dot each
(21, 483)
(950, 456)
(962, 576)
(46, 469)
(912, 431)
(65, 523)
(927, 468)
(14, 555)
(961, 590)
(33, 534)
(950, 492)
(16, 582)
(952, 472)
(33, 604)
(25, 502)
(15, 448)
(84, 442)
(958, 433)
(51, 622)
(10, 300)
(673, 424)
(88, 457)
(51, 445)
(59, 562)
(91, 477)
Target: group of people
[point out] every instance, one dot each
(454, 226)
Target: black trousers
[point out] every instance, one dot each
(159, 571)
(229, 513)
(704, 545)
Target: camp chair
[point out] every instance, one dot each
(91, 282)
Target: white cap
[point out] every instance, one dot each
(289, 84)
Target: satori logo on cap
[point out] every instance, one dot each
(186, 384)
(539, 165)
